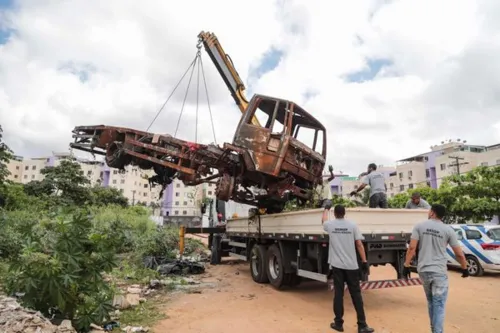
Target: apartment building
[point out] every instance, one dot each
(182, 200)
(132, 182)
(445, 159)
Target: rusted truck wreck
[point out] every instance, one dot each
(264, 166)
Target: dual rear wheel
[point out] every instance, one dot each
(266, 265)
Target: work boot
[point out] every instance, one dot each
(337, 327)
(365, 329)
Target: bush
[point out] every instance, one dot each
(127, 225)
(59, 269)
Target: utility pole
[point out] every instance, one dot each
(457, 163)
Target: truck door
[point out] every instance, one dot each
(267, 143)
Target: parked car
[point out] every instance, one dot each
(481, 245)
(493, 231)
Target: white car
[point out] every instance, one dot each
(481, 246)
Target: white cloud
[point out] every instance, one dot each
(115, 62)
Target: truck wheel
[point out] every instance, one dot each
(258, 264)
(474, 267)
(275, 269)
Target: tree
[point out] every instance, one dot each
(66, 183)
(104, 196)
(477, 193)
(154, 206)
(5, 157)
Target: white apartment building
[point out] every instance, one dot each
(452, 157)
(133, 182)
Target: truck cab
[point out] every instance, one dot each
(289, 143)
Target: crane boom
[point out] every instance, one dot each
(226, 69)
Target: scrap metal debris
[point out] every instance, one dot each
(174, 267)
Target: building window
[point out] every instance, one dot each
(391, 185)
(145, 185)
(177, 185)
(184, 212)
(209, 192)
(442, 166)
(498, 162)
(185, 203)
(176, 194)
(410, 185)
(15, 176)
(33, 167)
(89, 173)
(114, 181)
(25, 177)
(484, 164)
(427, 173)
(101, 174)
(410, 173)
(122, 181)
(355, 187)
(32, 176)
(401, 188)
(392, 194)
(400, 175)
(115, 172)
(145, 194)
(17, 167)
(26, 167)
(429, 184)
(176, 212)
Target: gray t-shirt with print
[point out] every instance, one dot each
(433, 237)
(422, 204)
(342, 250)
(376, 181)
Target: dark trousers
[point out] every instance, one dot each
(351, 277)
(378, 200)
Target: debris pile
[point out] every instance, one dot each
(164, 266)
(16, 319)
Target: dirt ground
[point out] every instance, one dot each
(236, 304)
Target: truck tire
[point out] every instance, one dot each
(258, 264)
(474, 266)
(275, 268)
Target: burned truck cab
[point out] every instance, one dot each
(289, 145)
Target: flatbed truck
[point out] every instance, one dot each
(285, 248)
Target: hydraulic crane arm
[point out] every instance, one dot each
(226, 69)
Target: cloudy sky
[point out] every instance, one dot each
(387, 78)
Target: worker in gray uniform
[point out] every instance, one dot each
(378, 189)
(345, 238)
(432, 238)
(416, 202)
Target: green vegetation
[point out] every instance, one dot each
(471, 197)
(61, 239)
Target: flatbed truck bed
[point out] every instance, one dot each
(284, 248)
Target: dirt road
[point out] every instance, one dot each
(238, 305)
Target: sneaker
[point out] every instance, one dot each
(337, 327)
(365, 329)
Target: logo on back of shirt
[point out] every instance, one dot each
(341, 231)
(433, 232)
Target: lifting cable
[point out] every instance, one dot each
(197, 61)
